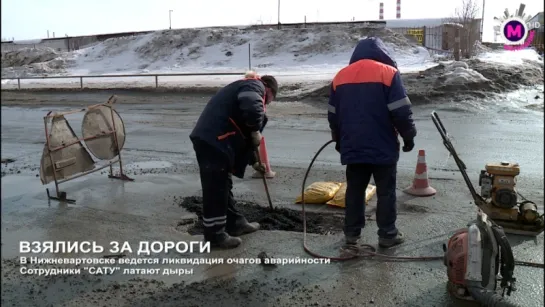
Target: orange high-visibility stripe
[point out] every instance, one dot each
(226, 135)
(237, 127)
(365, 71)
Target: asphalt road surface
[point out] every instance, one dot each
(159, 156)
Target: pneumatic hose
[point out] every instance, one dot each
(487, 297)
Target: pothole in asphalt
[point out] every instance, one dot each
(280, 219)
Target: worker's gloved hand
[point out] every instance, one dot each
(259, 167)
(333, 136)
(335, 139)
(256, 138)
(408, 145)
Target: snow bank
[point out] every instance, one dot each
(511, 57)
(459, 73)
(304, 60)
(459, 81)
(304, 51)
(27, 56)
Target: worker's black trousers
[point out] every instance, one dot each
(358, 177)
(219, 212)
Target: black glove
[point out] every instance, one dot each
(336, 140)
(408, 145)
(333, 136)
(265, 121)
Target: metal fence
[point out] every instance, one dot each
(155, 76)
(431, 38)
(538, 41)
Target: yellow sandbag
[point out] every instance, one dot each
(338, 199)
(319, 192)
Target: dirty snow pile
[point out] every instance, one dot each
(517, 67)
(458, 73)
(27, 56)
(43, 60)
(488, 74)
(475, 78)
(302, 51)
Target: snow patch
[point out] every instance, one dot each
(459, 73)
(511, 57)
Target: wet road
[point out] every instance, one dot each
(159, 156)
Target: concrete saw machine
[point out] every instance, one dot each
(498, 198)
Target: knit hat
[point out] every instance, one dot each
(250, 74)
(271, 83)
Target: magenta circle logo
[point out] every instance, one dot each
(514, 31)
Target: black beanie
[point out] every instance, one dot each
(271, 83)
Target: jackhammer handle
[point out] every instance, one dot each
(461, 165)
(435, 116)
(439, 127)
(446, 140)
(256, 153)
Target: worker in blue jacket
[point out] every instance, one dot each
(225, 139)
(368, 108)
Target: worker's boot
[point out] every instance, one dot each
(241, 227)
(223, 240)
(350, 247)
(387, 243)
(351, 241)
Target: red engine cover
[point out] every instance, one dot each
(456, 257)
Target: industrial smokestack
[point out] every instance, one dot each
(520, 11)
(53, 34)
(47, 33)
(381, 11)
(398, 9)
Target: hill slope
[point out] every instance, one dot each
(219, 49)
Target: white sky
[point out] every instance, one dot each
(30, 19)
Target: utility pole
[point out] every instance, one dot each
(278, 14)
(482, 22)
(170, 19)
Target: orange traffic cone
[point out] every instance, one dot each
(421, 186)
(265, 160)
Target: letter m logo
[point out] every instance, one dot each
(517, 31)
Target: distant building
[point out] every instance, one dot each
(539, 18)
(415, 23)
(62, 44)
(435, 33)
(538, 41)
